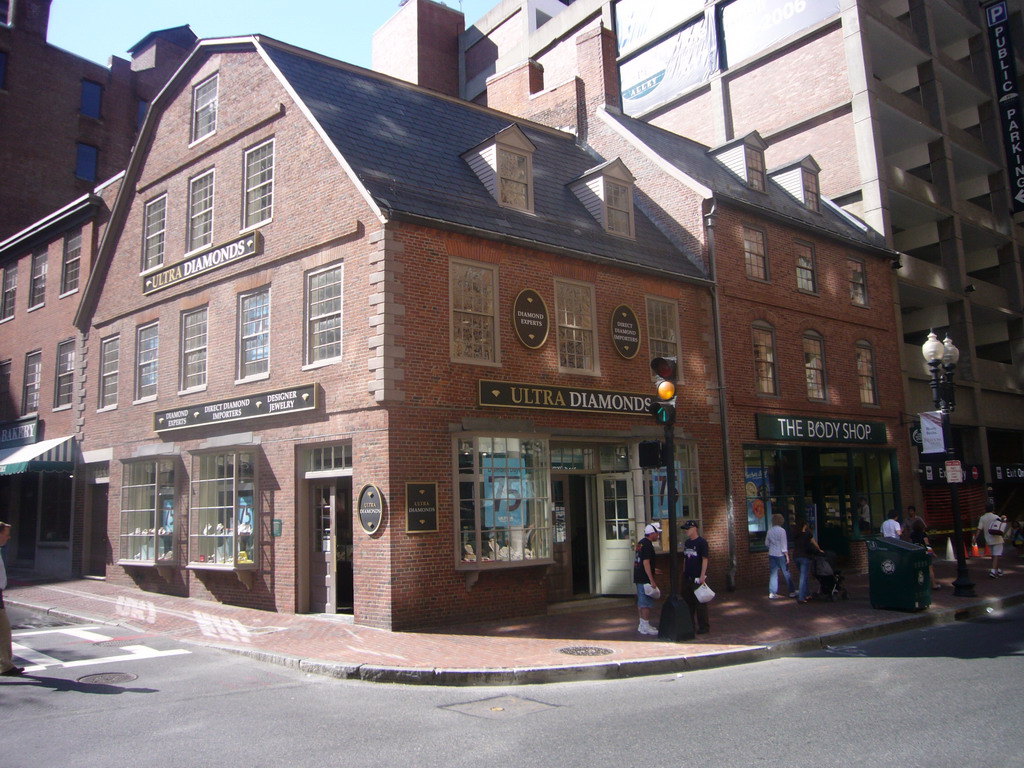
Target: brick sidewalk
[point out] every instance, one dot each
(589, 640)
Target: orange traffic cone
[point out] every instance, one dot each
(974, 550)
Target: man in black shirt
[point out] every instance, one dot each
(695, 572)
(643, 577)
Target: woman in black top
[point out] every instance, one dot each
(806, 549)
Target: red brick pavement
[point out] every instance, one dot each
(600, 635)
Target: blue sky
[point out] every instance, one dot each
(342, 29)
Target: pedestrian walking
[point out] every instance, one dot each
(992, 527)
(695, 573)
(7, 667)
(908, 522)
(806, 549)
(891, 527)
(778, 558)
(643, 577)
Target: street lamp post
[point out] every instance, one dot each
(942, 357)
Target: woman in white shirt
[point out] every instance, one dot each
(778, 557)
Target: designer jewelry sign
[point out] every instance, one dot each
(279, 401)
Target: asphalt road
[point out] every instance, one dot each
(943, 696)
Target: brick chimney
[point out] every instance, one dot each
(31, 17)
(420, 44)
(597, 68)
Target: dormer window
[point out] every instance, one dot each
(618, 205)
(800, 179)
(504, 164)
(607, 193)
(812, 198)
(755, 168)
(745, 157)
(513, 179)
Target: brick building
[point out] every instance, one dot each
(45, 268)
(410, 384)
(809, 344)
(59, 141)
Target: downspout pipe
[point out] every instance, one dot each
(723, 404)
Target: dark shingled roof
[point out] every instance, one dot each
(405, 145)
(693, 159)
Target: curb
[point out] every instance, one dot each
(614, 670)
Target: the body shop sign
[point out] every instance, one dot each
(201, 263)
(814, 430)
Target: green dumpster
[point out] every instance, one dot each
(898, 575)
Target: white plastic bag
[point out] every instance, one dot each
(651, 590)
(704, 593)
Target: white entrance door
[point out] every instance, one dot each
(616, 525)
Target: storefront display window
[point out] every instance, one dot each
(223, 514)
(504, 504)
(842, 493)
(148, 504)
(687, 486)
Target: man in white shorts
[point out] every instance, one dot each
(989, 523)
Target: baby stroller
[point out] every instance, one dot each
(830, 578)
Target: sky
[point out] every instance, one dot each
(341, 29)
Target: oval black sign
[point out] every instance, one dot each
(371, 508)
(625, 331)
(530, 319)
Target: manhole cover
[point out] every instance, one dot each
(108, 678)
(585, 650)
(500, 707)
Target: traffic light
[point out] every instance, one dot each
(663, 404)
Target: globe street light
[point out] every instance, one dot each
(942, 357)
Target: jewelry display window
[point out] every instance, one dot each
(222, 516)
(148, 503)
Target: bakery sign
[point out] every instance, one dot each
(277, 402)
(202, 263)
(506, 394)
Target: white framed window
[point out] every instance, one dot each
(259, 184)
(755, 168)
(814, 365)
(71, 263)
(223, 513)
(149, 501)
(663, 327)
(765, 374)
(474, 312)
(323, 315)
(504, 504)
(200, 211)
(618, 204)
(147, 359)
(806, 268)
(574, 307)
(110, 358)
(193, 349)
(154, 233)
(63, 386)
(37, 284)
(755, 253)
(254, 333)
(32, 380)
(858, 282)
(867, 384)
(10, 291)
(204, 108)
(514, 179)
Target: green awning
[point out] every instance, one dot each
(56, 455)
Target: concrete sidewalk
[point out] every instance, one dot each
(588, 640)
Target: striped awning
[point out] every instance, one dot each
(56, 455)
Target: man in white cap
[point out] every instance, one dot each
(643, 577)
